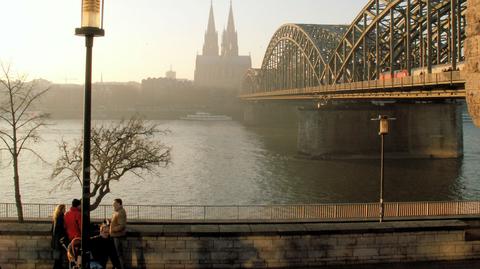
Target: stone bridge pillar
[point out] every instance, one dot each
(472, 50)
(270, 114)
(347, 131)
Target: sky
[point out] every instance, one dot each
(143, 38)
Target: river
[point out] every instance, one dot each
(227, 163)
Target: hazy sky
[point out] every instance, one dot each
(144, 37)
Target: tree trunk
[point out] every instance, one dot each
(18, 199)
(98, 200)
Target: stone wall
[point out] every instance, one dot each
(472, 50)
(261, 245)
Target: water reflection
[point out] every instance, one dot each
(302, 181)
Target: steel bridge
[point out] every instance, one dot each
(394, 49)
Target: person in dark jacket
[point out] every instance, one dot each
(73, 221)
(58, 237)
(103, 248)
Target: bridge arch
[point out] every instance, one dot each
(297, 56)
(393, 35)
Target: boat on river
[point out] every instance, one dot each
(204, 116)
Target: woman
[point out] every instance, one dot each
(58, 235)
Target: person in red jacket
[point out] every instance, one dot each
(73, 220)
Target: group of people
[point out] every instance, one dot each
(107, 244)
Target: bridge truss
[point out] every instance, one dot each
(388, 37)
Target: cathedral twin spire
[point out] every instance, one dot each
(210, 47)
(229, 38)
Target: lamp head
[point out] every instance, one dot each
(383, 125)
(92, 18)
(92, 13)
(383, 119)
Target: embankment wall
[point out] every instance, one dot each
(27, 246)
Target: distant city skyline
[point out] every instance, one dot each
(143, 39)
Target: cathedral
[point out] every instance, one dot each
(221, 67)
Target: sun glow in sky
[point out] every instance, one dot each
(144, 37)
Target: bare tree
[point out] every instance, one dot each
(127, 147)
(17, 98)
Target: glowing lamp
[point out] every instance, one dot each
(383, 125)
(92, 18)
(92, 11)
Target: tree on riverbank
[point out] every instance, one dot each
(19, 125)
(127, 147)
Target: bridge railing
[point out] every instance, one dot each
(443, 78)
(236, 213)
(451, 77)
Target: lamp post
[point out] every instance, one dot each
(320, 101)
(383, 119)
(92, 25)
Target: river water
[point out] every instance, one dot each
(226, 163)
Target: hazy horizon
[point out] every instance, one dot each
(145, 38)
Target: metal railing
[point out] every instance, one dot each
(317, 212)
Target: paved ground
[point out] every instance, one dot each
(474, 264)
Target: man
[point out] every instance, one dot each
(73, 221)
(118, 229)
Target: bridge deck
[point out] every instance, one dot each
(445, 85)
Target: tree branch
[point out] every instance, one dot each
(126, 147)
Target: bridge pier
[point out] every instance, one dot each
(270, 114)
(346, 131)
(472, 51)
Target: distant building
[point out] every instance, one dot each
(170, 74)
(159, 84)
(224, 70)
